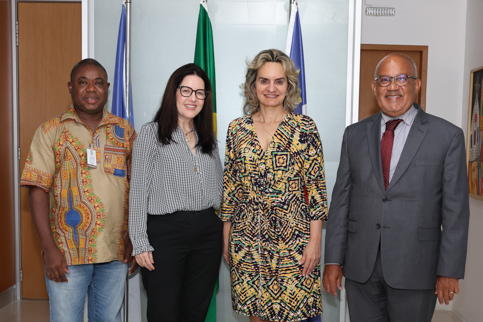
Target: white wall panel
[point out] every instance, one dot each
(163, 38)
(467, 304)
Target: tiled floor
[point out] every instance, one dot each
(25, 311)
(38, 311)
(445, 316)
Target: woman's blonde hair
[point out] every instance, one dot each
(252, 104)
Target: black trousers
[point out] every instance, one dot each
(376, 301)
(187, 254)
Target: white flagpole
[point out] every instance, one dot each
(127, 96)
(127, 88)
(292, 13)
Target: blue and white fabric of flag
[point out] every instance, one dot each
(119, 106)
(295, 50)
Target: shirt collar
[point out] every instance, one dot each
(408, 117)
(107, 118)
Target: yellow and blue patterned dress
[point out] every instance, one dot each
(265, 201)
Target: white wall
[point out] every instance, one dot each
(163, 38)
(468, 303)
(440, 25)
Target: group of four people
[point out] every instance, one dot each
(91, 178)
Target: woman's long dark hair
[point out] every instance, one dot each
(167, 114)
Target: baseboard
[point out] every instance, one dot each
(7, 296)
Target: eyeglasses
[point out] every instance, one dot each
(385, 81)
(186, 91)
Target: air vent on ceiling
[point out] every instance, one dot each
(380, 11)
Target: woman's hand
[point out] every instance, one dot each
(312, 252)
(311, 257)
(225, 253)
(226, 239)
(145, 260)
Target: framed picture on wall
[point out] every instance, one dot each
(474, 146)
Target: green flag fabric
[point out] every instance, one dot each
(205, 58)
(204, 53)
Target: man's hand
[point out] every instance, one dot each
(55, 265)
(446, 288)
(332, 278)
(127, 258)
(310, 257)
(127, 255)
(134, 266)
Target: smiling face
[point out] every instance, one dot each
(395, 100)
(271, 85)
(189, 107)
(89, 90)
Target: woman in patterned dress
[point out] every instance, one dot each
(274, 198)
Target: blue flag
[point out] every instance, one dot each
(119, 106)
(295, 50)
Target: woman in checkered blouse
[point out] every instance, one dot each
(176, 184)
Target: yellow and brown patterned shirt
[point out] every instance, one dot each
(88, 206)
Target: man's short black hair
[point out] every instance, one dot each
(84, 62)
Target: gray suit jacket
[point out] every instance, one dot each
(422, 218)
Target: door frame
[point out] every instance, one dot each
(87, 51)
(352, 101)
(422, 71)
(353, 70)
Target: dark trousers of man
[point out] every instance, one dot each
(187, 254)
(375, 301)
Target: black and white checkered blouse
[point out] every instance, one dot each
(169, 178)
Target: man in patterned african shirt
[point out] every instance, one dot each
(77, 171)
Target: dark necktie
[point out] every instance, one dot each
(386, 148)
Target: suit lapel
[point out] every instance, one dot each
(374, 142)
(416, 135)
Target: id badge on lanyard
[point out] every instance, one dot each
(92, 157)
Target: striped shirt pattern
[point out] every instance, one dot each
(400, 135)
(169, 178)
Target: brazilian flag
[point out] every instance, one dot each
(204, 53)
(205, 58)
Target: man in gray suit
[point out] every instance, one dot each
(398, 220)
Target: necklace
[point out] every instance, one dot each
(187, 135)
(262, 121)
(266, 130)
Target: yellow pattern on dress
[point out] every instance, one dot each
(265, 201)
